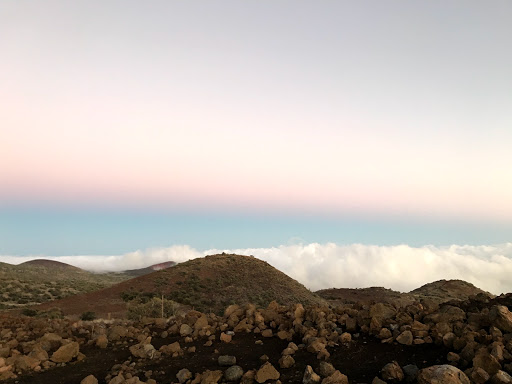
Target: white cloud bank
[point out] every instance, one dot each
(330, 265)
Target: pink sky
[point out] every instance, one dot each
(321, 169)
(275, 117)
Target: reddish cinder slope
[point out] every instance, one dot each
(210, 283)
(152, 268)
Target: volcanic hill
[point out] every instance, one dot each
(438, 292)
(207, 284)
(341, 296)
(48, 264)
(39, 281)
(150, 269)
(447, 290)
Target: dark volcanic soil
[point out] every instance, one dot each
(361, 361)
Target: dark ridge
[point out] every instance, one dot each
(150, 269)
(48, 264)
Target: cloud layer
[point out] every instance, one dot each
(330, 265)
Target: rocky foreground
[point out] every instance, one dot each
(458, 342)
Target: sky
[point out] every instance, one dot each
(128, 126)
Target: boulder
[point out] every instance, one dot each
(267, 333)
(478, 376)
(119, 379)
(234, 373)
(447, 313)
(6, 373)
(50, 341)
(392, 372)
(244, 326)
(89, 380)
(285, 335)
(211, 377)
(336, 378)
(226, 360)
(286, 361)
(298, 314)
(185, 330)
(288, 351)
(382, 311)
(38, 353)
(448, 339)
(316, 346)
(452, 357)
(225, 338)
(410, 373)
(65, 353)
(310, 377)
(468, 352)
(117, 332)
(232, 309)
(442, 374)
(26, 363)
(345, 337)
(171, 349)
(501, 377)
(442, 328)
(200, 323)
(183, 375)
(418, 326)
(487, 362)
(102, 341)
(323, 354)
(5, 351)
(375, 326)
(497, 350)
(501, 318)
(326, 369)
(405, 338)
(248, 377)
(143, 350)
(351, 324)
(384, 334)
(267, 372)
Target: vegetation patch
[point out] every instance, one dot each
(31, 284)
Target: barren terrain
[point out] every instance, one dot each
(448, 332)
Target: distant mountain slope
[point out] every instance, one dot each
(340, 296)
(209, 284)
(39, 281)
(48, 264)
(438, 291)
(150, 269)
(446, 290)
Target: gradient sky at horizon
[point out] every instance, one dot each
(256, 123)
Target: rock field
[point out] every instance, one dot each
(457, 342)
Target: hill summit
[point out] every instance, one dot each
(39, 281)
(446, 290)
(207, 284)
(151, 268)
(50, 264)
(438, 292)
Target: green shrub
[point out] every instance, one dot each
(52, 313)
(128, 295)
(131, 295)
(29, 312)
(87, 316)
(137, 309)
